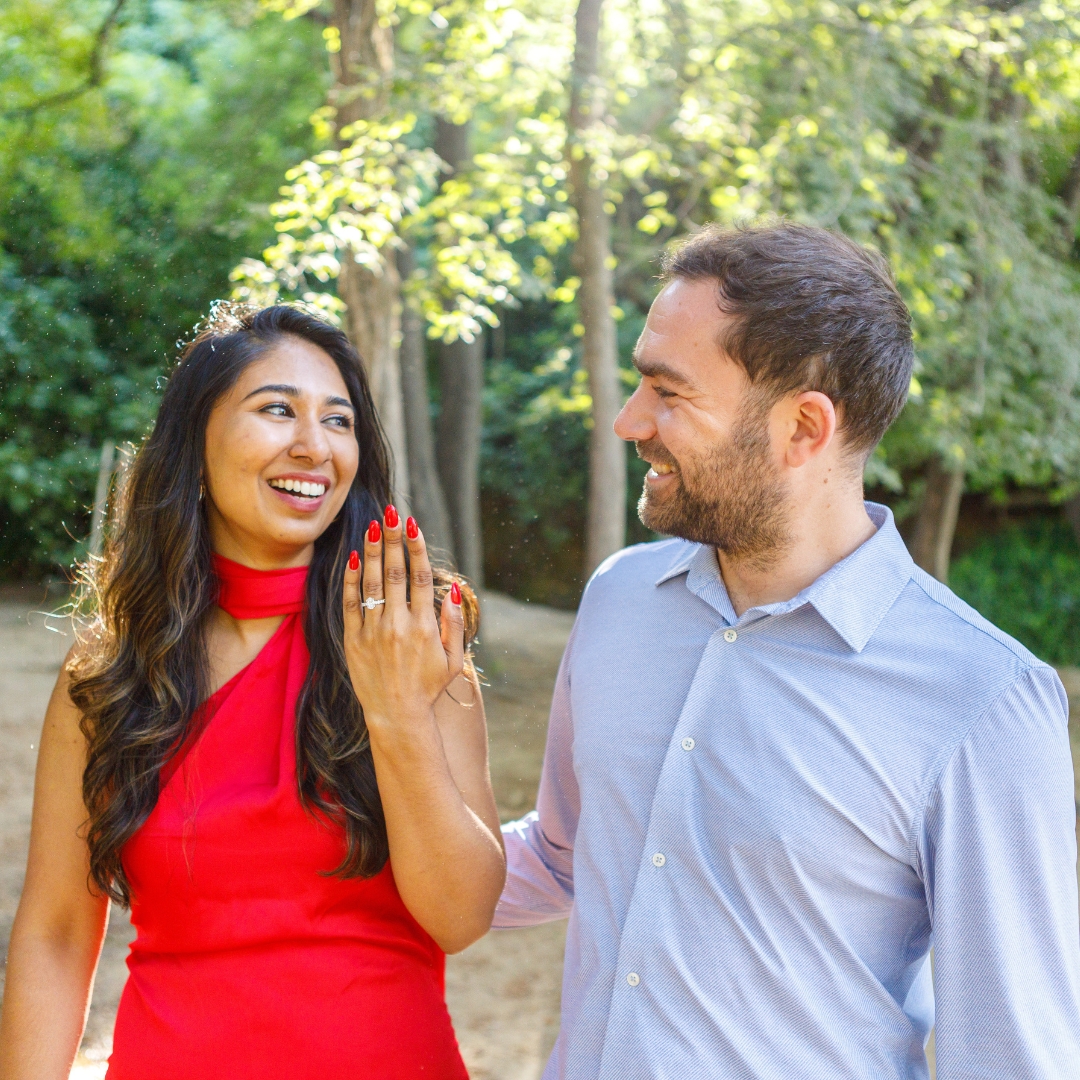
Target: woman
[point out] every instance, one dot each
(277, 758)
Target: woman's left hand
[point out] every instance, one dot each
(430, 755)
(401, 657)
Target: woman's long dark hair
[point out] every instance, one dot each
(142, 672)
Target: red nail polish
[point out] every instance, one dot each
(374, 533)
(412, 530)
(455, 593)
(354, 561)
(392, 518)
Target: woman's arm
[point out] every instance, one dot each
(60, 923)
(430, 751)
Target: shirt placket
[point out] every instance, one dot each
(640, 971)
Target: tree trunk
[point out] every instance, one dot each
(461, 377)
(373, 323)
(1070, 196)
(364, 65)
(1071, 509)
(935, 526)
(461, 383)
(606, 524)
(101, 498)
(363, 69)
(426, 493)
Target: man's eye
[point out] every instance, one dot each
(662, 393)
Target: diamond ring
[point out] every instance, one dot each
(371, 603)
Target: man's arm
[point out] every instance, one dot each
(999, 862)
(540, 847)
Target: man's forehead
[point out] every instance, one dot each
(682, 333)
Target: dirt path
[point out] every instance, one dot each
(503, 991)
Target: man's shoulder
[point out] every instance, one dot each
(935, 636)
(637, 566)
(950, 619)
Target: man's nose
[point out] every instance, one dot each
(635, 423)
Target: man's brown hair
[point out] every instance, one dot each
(811, 310)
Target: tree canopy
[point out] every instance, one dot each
(156, 155)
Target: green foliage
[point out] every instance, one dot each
(488, 232)
(534, 468)
(534, 465)
(136, 171)
(1026, 580)
(123, 207)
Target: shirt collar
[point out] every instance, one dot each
(852, 597)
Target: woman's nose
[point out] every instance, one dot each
(311, 442)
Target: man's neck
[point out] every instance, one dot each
(821, 537)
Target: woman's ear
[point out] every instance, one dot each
(813, 427)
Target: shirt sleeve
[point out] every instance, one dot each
(999, 864)
(540, 846)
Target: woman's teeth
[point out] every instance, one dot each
(661, 470)
(299, 487)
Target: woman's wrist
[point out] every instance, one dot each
(410, 724)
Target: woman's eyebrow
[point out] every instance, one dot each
(293, 392)
(275, 388)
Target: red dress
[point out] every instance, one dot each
(250, 961)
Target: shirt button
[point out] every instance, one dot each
(730, 635)
(688, 743)
(659, 859)
(633, 978)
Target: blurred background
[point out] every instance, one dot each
(479, 192)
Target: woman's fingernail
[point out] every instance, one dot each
(374, 533)
(391, 517)
(354, 561)
(455, 593)
(412, 530)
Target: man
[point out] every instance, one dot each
(783, 762)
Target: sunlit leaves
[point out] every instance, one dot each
(921, 127)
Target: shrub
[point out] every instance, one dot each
(1026, 580)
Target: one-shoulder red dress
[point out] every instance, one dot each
(251, 962)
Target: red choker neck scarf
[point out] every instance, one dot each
(259, 594)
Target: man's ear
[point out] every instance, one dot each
(812, 425)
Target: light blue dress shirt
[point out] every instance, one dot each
(759, 825)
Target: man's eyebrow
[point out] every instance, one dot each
(656, 369)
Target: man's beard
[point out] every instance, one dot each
(731, 497)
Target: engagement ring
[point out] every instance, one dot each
(371, 603)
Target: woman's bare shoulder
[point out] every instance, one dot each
(80, 661)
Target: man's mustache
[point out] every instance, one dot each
(655, 451)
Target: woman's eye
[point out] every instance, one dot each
(340, 421)
(278, 408)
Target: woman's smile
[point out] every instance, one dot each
(305, 492)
